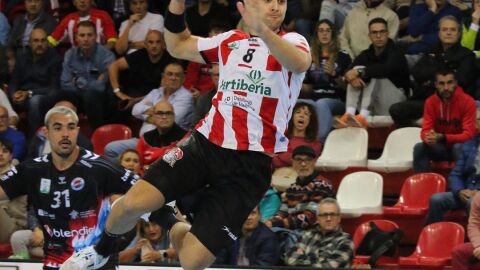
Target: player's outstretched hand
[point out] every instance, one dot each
(251, 15)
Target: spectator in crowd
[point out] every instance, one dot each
(301, 16)
(205, 12)
(154, 143)
(4, 29)
(130, 159)
(13, 214)
(424, 23)
(378, 78)
(470, 37)
(198, 78)
(134, 30)
(449, 53)
(325, 245)
(151, 245)
(39, 145)
(5, 102)
(269, 204)
(35, 17)
(335, 12)
(462, 181)
(302, 130)
(204, 101)
(402, 9)
(14, 136)
(28, 243)
(35, 80)
(144, 68)
(172, 91)
(257, 245)
(85, 73)
(448, 122)
(467, 256)
(323, 80)
(300, 200)
(354, 37)
(100, 19)
(118, 10)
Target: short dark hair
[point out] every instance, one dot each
(87, 24)
(444, 70)
(7, 144)
(378, 20)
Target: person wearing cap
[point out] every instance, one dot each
(298, 208)
(463, 180)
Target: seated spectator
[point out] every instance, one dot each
(100, 19)
(35, 17)
(204, 101)
(13, 213)
(171, 90)
(470, 37)
(134, 30)
(323, 80)
(467, 256)
(39, 145)
(335, 12)
(5, 102)
(300, 200)
(144, 68)
(354, 37)
(35, 80)
(16, 138)
(325, 245)
(200, 16)
(198, 78)
(378, 79)
(118, 9)
(149, 246)
(130, 159)
(424, 23)
(448, 53)
(462, 181)
(4, 29)
(302, 130)
(85, 73)
(257, 245)
(154, 143)
(28, 243)
(448, 122)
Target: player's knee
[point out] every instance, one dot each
(195, 261)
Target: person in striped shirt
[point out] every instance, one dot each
(228, 155)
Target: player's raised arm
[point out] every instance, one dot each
(265, 24)
(180, 43)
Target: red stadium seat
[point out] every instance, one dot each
(5, 250)
(109, 133)
(434, 246)
(362, 230)
(415, 194)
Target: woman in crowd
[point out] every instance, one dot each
(323, 84)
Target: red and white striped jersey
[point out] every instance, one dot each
(255, 96)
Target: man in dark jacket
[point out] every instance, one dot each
(258, 245)
(448, 121)
(36, 79)
(378, 78)
(448, 53)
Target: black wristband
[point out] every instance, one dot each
(174, 23)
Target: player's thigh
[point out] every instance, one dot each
(145, 196)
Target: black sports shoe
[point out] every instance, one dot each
(165, 217)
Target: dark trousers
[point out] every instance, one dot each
(405, 112)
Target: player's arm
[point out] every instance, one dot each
(180, 43)
(293, 58)
(3, 195)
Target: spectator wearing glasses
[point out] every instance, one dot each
(325, 245)
(301, 198)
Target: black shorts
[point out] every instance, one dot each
(232, 183)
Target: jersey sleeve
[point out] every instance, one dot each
(298, 41)
(117, 179)
(60, 32)
(209, 48)
(13, 182)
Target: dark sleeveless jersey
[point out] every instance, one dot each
(71, 205)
